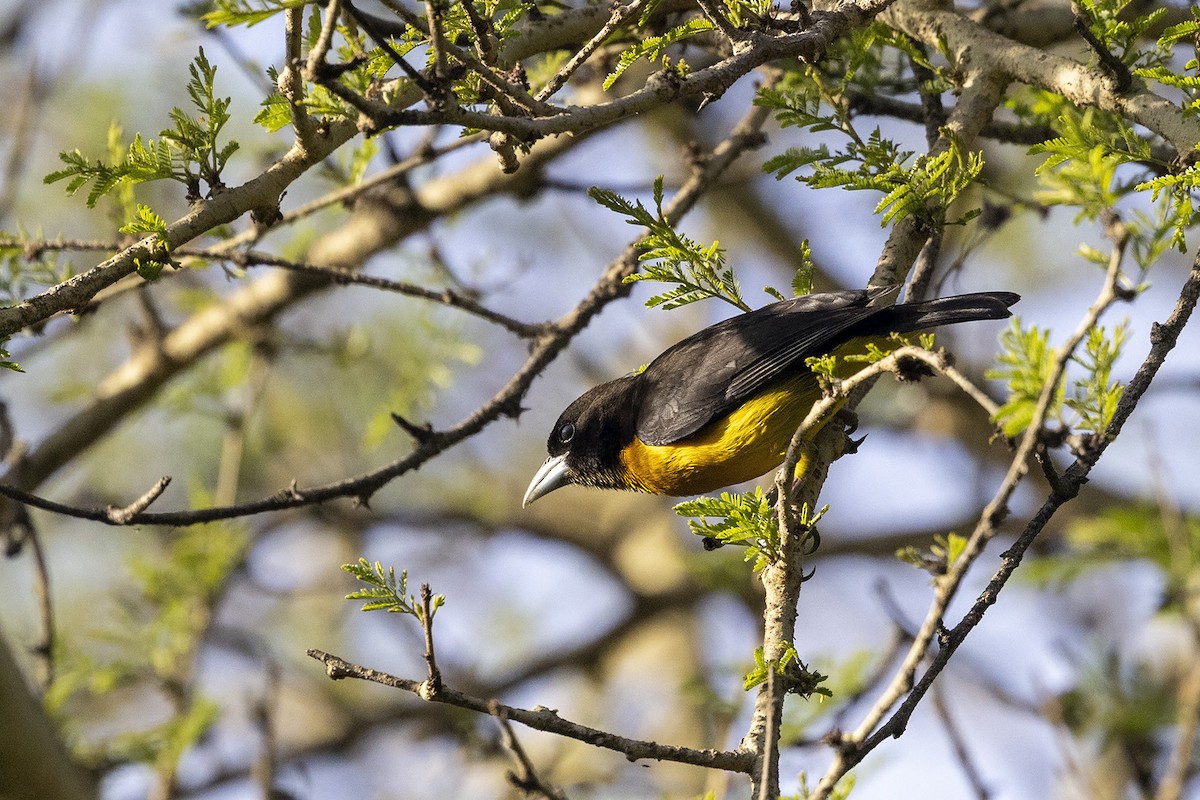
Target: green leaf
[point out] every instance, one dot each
(147, 223)
(1025, 363)
(188, 153)
(697, 271)
(243, 12)
(1096, 394)
(652, 47)
(794, 674)
(384, 591)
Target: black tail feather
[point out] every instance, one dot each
(948, 310)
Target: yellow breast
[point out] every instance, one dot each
(745, 444)
(749, 442)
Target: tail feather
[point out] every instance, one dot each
(948, 310)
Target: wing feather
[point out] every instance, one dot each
(712, 372)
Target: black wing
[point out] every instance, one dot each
(710, 373)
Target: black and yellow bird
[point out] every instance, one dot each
(721, 406)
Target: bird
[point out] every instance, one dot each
(721, 406)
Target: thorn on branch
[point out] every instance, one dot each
(424, 434)
(123, 516)
(512, 407)
(1058, 483)
(812, 540)
(291, 493)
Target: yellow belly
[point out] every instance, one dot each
(747, 443)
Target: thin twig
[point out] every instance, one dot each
(44, 649)
(338, 275)
(618, 17)
(485, 40)
(291, 80)
(545, 719)
(509, 95)
(433, 684)
(527, 780)
(995, 509)
(368, 24)
(722, 23)
(123, 515)
(711, 81)
(1109, 62)
(959, 745)
(320, 49)
(434, 13)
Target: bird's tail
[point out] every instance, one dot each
(948, 310)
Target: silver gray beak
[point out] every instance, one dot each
(550, 476)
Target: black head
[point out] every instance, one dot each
(586, 441)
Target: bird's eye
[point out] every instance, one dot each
(567, 432)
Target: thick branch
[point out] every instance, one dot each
(970, 43)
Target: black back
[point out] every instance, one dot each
(710, 373)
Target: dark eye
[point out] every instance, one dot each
(566, 432)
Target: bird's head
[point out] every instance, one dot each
(585, 443)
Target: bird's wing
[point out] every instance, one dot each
(714, 371)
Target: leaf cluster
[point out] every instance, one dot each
(820, 99)
(941, 555)
(652, 48)
(924, 186)
(1098, 159)
(1121, 32)
(797, 678)
(745, 520)
(668, 256)
(231, 13)
(147, 223)
(385, 592)
(1026, 362)
(189, 152)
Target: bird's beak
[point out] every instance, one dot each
(550, 476)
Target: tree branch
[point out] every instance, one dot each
(853, 747)
(89, 424)
(544, 719)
